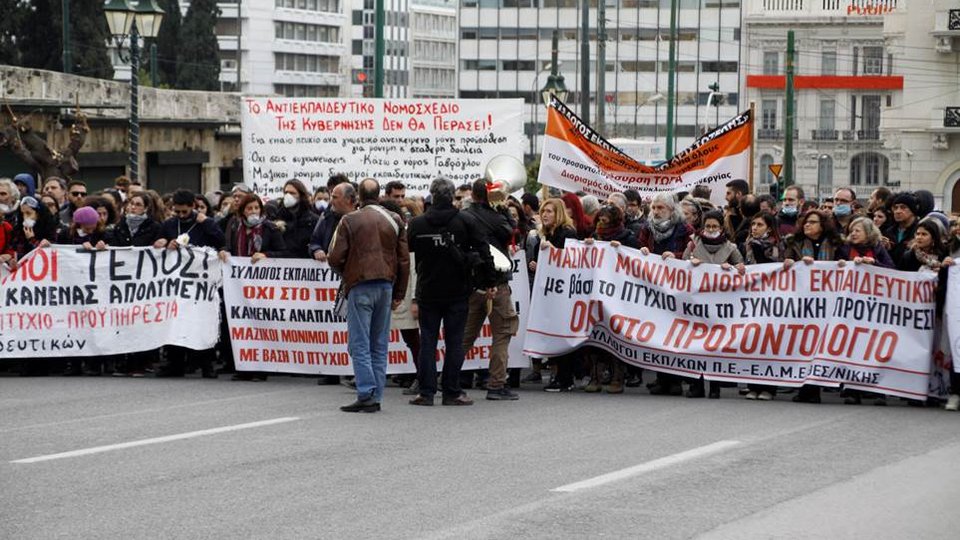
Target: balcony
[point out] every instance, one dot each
(848, 135)
(868, 135)
(768, 134)
(951, 116)
(824, 134)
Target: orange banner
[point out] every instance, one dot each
(576, 158)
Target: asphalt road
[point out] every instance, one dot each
(222, 459)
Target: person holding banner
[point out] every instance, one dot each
(816, 239)
(609, 228)
(556, 228)
(87, 230)
(667, 234)
(711, 246)
(445, 244)
(369, 250)
(187, 227)
(137, 228)
(762, 247)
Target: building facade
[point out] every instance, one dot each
(505, 49)
(846, 84)
(434, 36)
(396, 60)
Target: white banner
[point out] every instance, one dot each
(951, 314)
(865, 327)
(63, 301)
(410, 140)
(280, 313)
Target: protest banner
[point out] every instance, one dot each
(951, 314)
(865, 327)
(65, 301)
(409, 140)
(576, 158)
(281, 319)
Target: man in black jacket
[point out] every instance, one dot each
(445, 242)
(494, 297)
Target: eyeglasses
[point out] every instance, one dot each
(78, 193)
(458, 198)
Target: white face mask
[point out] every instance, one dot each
(29, 223)
(320, 205)
(5, 209)
(82, 233)
(711, 234)
(253, 220)
(290, 200)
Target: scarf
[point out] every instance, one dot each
(770, 250)
(609, 233)
(927, 258)
(249, 240)
(861, 251)
(663, 230)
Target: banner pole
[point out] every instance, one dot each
(753, 119)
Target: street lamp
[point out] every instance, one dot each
(554, 86)
(126, 22)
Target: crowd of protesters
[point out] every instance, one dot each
(452, 232)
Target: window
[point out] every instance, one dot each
(825, 174)
(828, 63)
(869, 169)
(871, 118)
(766, 177)
(768, 114)
(873, 60)
(719, 67)
(771, 63)
(828, 109)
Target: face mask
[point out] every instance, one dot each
(789, 210)
(4, 209)
(842, 210)
(135, 220)
(320, 205)
(82, 233)
(713, 235)
(29, 223)
(289, 200)
(253, 220)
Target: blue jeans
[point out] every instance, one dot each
(454, 318)
(368, 327)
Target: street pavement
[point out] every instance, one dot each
(195, 458)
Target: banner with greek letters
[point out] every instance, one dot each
(281, 319)
(864, 327)
(410, 140)
(64, 301)
(951, 315)
(577, 158)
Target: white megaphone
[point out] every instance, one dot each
(504, 175)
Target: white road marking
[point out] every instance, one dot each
(156, 440)
(660, 463)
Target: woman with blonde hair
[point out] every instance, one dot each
(556, 227)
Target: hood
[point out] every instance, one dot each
(27, 180)
(437, 216)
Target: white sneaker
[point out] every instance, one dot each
(765, 396)
(953, 403)
(751, 395)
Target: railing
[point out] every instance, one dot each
(769, 134)
(868, 135)
(951, 117)
(824, 134)
(848, 135)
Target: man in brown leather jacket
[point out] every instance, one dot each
(369, 250)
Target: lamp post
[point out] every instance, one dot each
(126, 22)
(554, 85)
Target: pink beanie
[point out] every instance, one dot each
(86, 216)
